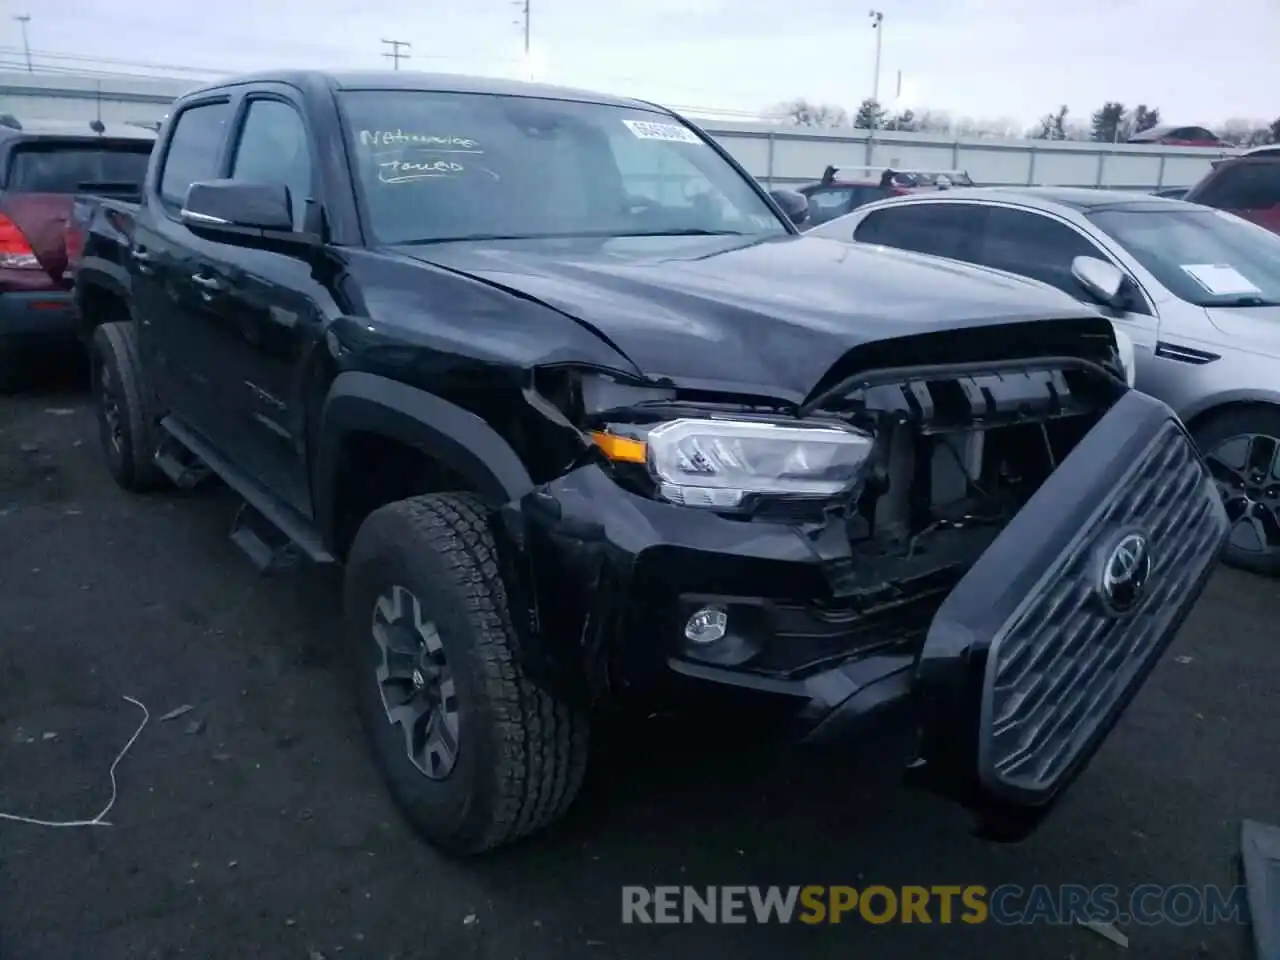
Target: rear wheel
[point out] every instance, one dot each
(475, 752)
(1242, 449)
(126, 423)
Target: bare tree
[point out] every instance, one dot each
(1052, 126)
(805, 113)
(933, 121)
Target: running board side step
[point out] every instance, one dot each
(271, 533)
(179, 464)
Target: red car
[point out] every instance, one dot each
(1247, 185)
(842, 189)
(1168, 135)
(43, 164)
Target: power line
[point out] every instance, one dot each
(395, 54)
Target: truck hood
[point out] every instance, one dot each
(762, 316)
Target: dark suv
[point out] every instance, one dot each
(43, 164)
(590, 426)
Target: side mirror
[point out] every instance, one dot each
(794, 205)
(247, 214)
(1101, 280)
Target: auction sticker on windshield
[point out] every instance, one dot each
(1219, 279)
(648, 130)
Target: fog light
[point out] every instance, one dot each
(707, 625)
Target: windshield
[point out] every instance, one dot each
(444, 166)
(53, 167)
(1205, 257)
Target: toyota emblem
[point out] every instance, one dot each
(1126, 568)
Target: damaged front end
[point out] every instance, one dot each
(918, 539)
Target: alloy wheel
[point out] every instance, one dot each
(416, 683)
(1246, 469)
(109, 404)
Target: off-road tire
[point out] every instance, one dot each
(1259, 419)
(113, 358)
(521, 750)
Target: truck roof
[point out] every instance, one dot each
(412, 80)
(12, 126)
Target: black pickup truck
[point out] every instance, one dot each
(590, 425)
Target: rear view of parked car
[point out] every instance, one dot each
(44, 165)
(844, 189)
(1248, 186)
(1196, 290)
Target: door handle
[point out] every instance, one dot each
(143, 260)
(211, 284)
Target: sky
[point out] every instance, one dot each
(982, 59)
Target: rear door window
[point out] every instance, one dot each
(940, 229)
(1242, 186)
(827, 203)
(52, 167)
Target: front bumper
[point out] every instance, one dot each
(1013, 674)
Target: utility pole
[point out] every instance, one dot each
(877, 21)
(526, 31)
(395, 54)
(524, 21)
(24, 19)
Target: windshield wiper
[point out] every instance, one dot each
(467, 238)
(1248, 301)
(687, 232)
(571, 235)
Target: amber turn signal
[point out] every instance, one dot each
(622, 449)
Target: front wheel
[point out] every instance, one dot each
(1242, 449)
(475, 752)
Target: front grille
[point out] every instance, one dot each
(1064, 665)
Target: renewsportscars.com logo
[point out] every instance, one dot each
(1005, 905)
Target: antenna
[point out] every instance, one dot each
(394, 53)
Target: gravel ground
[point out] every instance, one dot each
(255, 826)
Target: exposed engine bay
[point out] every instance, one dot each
(953, 451)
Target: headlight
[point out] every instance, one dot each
(719, 463)
(1125, 346)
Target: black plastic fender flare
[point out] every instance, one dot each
(460, 440)
(467, 445)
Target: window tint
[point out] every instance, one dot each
(941, 229)
(273, 148)
(1034, 246)
(193, 150)
(1243, 186)
(62, 168)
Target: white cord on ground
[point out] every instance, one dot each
(97, 821)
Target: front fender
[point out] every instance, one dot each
(460, 440)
